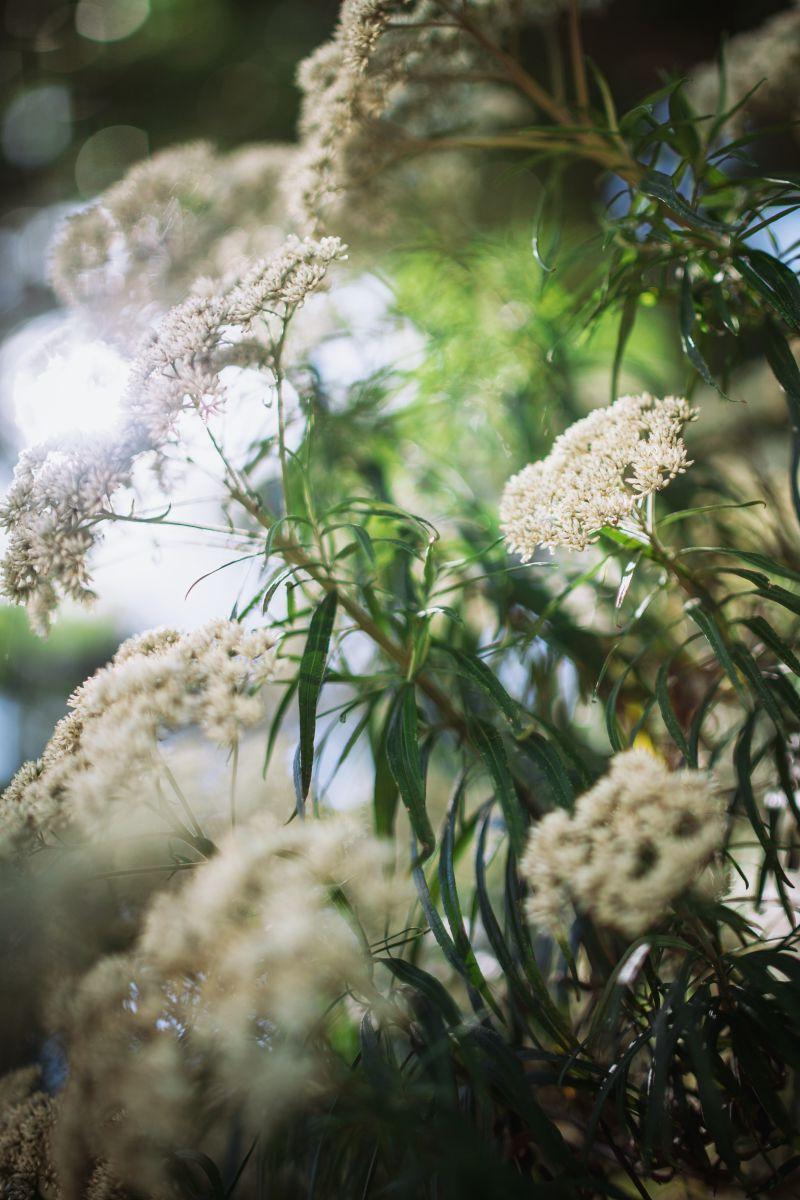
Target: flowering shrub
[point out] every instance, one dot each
(552, 951)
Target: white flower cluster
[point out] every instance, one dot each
(597, 473)
(222, 1005)
(106, 755)
(179, 367)
(60, 491)
(763, 61)
(50, 513)
(640, 838)
(183, 213)
(396, 74)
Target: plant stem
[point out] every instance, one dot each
(576, 53)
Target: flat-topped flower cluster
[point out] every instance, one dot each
(598, 473)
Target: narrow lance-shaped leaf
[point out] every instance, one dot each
(405, 763)
(785, 369)
(743, 763)
(490, 747)
(476, 670)
(776, 282)
(716, 641)
(690, 347)
(661, 188)
(312, 670)
(667, 711)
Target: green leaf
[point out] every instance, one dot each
(364, 540)
(683, 120)
(667, 711)
(690, 348)
(666, 1031)
(763, 561)
(749, 668)
(385, 793)
(405, 763)
(715, 1115)
(494, 933)
(433, 991)
(674, 517)
(277, 721)
(773, 280)
(456, 948)
(785, 369)
(508, 1078)
(661, 188)
(312, 670)
(489, 745)
(626, 322)
(474, 669)
(708, 626)
(545, 754)
(743, 764)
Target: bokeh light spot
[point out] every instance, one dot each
(110, 20)
(37, 125)
(56, 380)
(106, 155)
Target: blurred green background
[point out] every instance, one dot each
(88, 88)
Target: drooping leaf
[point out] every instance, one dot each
(688, 339)
(405, 763)
(776, 282)
(476, 670)
(667, 711)
(786, 371)
(718, 643)
(414, 977)
(312, 671)
(661, 188)
(489, 745)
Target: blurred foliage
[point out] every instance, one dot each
(36, 676)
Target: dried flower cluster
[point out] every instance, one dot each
(640, 838)
(183, 213)
(597, 473)
(222, 1006)
(28, 1120)
(764, 62)
(397, 77)
(107, 755)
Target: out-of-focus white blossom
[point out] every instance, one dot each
(597, 473)
(106, 755)
(763, 61)
(639, 839)
(28, 1119)
(222, 1007)
(184, 213)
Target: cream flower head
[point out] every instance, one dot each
(638, 839)
(598, 471)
